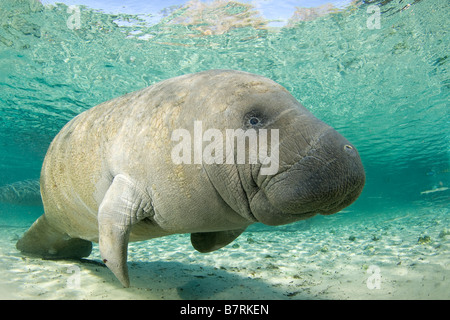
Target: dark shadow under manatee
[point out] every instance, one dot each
(195, 281)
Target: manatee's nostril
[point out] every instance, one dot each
(349, 150)
(348, 147)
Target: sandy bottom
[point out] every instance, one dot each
(405, 256)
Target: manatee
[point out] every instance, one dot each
(110, 175)
(25, 193)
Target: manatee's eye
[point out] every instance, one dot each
(253, 121)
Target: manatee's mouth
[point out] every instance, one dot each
(327, 179)
(313, 185)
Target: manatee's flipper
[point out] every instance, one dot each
(45, 241)
(122, 206)
(210, 241)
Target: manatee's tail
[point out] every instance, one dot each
(46, 242)
(26, 193)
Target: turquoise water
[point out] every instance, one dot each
(384, 86)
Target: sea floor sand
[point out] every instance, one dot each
(405, 256)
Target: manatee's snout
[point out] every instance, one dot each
(328, 177)
(331, 175)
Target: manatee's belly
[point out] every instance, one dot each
(220, 219)
(145, 230)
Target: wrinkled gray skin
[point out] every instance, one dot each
(24, 193)
(108, 176)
